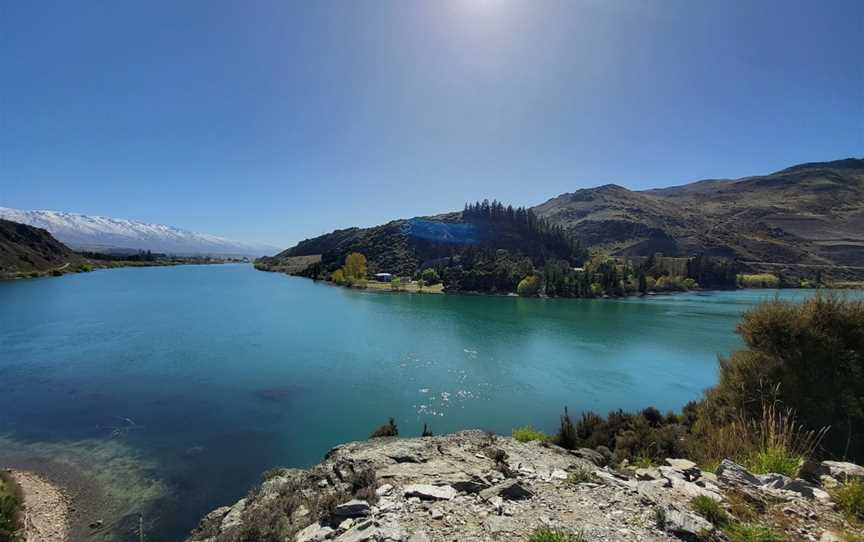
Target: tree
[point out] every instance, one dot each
(643, 284)
(396, 284)
(420, 284)
(430, 276)
(529, 286)
(355, 266)
(338, 277)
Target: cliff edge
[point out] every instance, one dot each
(473, 486)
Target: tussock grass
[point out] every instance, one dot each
(546, 534)
(528, 433)
(751, 532)
(710, 509)
(850, 499)
(582, 475)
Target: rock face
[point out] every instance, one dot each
(472, 486)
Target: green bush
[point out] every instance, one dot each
(749, 532)
(547, 534)
(810, 357)
(709, 509)
(581, 475)
(10, 508)
(389, 429)
(775, 459)
(528, 433)
(850, 499)
(430, 276)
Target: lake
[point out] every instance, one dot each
(179, 386)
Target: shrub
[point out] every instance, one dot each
(850, 499)
(566, 437)
(529, 286)
(749, 532)
(759, 280)
(389, 429)
(430, 276)
(338, 277)
(581, 475)
(547, 534)
(528, 433)
(809, 356)
(10, 507)
(709, 509)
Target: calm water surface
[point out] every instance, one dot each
(209, 375)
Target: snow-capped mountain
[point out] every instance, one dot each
(83, 232)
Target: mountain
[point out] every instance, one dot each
(100, 233)
(26, 250)
(809, 214)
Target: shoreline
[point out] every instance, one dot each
(60, 501)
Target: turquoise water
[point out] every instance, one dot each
(209, 375)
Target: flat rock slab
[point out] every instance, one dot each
(427, 492)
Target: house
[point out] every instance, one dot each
(383, 277)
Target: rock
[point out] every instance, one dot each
(731, 473)
(690, 490)
(419, 536)
(801, 487)
(647, 474)
(588, 454)
(234, 517)
(509, 489)
(436, 513)
(828, 536)
(314, 533)
(359, 533)
(843, 471)
(499, 524)
(610, 479)
(685, 525)
(384, 490)
(828, 482)
(429, 492)
(96, 524)
(403, 455)
(475, 485)
(682, 465)
(352, 509)
(558, 474)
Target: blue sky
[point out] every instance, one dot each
(276, 121)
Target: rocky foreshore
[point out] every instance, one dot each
(474, 486)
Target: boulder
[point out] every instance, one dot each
(590, 455)
(314, 533)
(508, 489)
(234, 517)
(733, 474)
(427, 492)
(352, 509)
(685, 525)
(648, 474)
(843, 471)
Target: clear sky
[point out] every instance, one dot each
(276, 121)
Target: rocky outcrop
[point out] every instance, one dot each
(472, 486)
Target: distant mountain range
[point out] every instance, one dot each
(100, 233)
(808, 216)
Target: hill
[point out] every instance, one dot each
(25, 250)
(810, 214)
(487, 247)
(101, 233)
